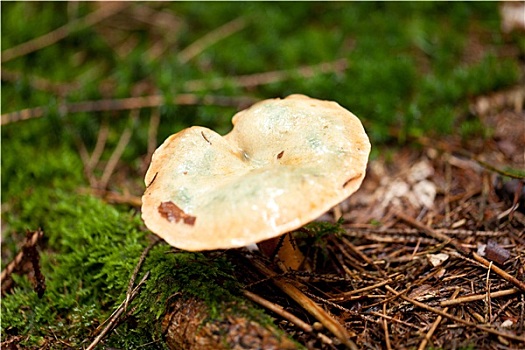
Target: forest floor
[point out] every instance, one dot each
(428, 253)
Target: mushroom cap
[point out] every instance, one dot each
(285, 163)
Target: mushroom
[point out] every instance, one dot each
(285, 163)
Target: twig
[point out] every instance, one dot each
(114, 197)
(500, 272)
(137, 268)
(111, 321)
(154, 123)
(413, 231)
(488, 317)
(50, 38)
(102, 137)
(476, 297)
(211, 38)
(125, 104)
(385, 327)
(393, 319)
(435, 325)
(28, 253)
(424, 141)
(309, 305)
(15, 263)
(369, 261)
(117, 152)
(361, 290)
(432, 233)
(279, 310)
(454, 318)
(38, 83)
(252, 80)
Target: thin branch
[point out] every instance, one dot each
(106, 10)
(500, 272)
(279, 310)
(476, 297)
(309, 305)
(152, 131)
(37, 82)
(454, 318)
(137, 269)
(119, 150)
(125, 104)
(361, 290)
(432, 233)
(252, 80)
(31, 240)
(102, 137)
(385, 327)
(112, 320)
(435, 325)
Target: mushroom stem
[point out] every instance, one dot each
(285, 249)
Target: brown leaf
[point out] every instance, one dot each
(496, 253)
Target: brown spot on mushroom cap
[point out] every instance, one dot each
(171, 212)
(236, 188)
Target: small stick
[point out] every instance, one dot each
(137, 269)
(117, 152)
(363, 256)
(114, 197)
(252, 80)
(500, 272)
(13, 265)
(375, 313)
(154, 123)
(385, 327)
(279, 310)
(112, 320)
(452, 317)
(365, 289)
(60, 33)
(37, 82)
(488, 317)
(102, 137)
(435, 325)
(125, 104)
(476, 297)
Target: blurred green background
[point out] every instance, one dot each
(406, 69)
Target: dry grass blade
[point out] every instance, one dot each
(106, 10)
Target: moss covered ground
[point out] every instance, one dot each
(406, 69)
